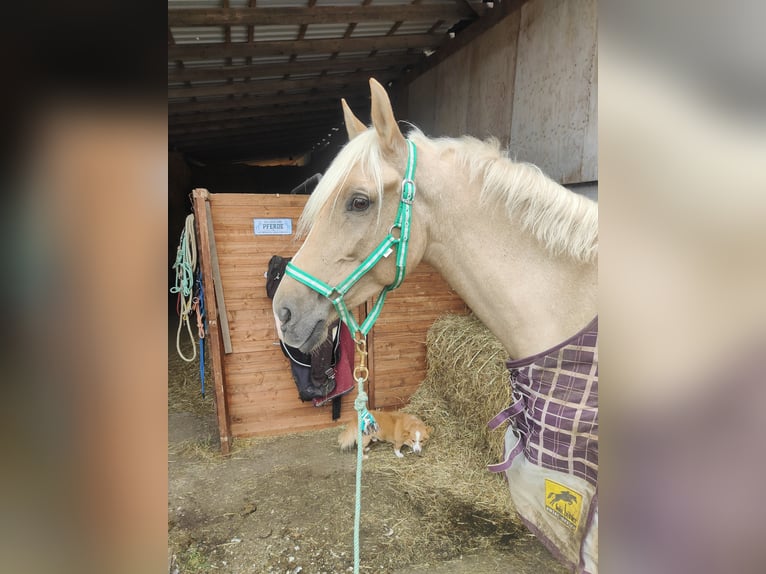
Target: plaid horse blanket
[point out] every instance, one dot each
(554, 424)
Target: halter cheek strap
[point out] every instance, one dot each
(401, 243)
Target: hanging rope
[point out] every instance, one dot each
(366, 424)
(199, 307)
(186, 262)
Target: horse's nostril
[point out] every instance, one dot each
(284, 314)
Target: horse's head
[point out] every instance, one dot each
(348, 215)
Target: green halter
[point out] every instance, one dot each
(402, 222)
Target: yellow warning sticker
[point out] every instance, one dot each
(563, 503)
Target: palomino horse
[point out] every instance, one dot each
(520, 249)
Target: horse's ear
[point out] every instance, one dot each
(354, 126)
(383, 119)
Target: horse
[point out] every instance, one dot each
(520, 250)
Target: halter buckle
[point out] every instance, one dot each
(408, 199)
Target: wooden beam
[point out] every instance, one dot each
(256, 122)
(316, 15)
(233, 153)
(199, 198)
(200, 119)
(268, 134)
(257, 102)
(253, 133)
(258, 127)
(298, 67)
(262, 120)
(219, 299)
(288, 47)
(270, 86)
(230, 156)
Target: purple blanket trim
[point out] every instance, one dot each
(507, 460)
(588, 523)
(516, 408)
(591, 327)
(548, 543)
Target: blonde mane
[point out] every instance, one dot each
(564, 222)
(364, 151)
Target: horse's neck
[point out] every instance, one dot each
(528, 298)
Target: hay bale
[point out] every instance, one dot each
(466, 366)
(465, 386)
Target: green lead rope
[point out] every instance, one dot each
(366, 422)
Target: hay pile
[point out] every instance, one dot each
(466, 385)
(184, 384)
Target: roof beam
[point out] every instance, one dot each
(316, 46)
(240, 155)
(316, 15)
(298, 67)
(268, 86)
(264, 140)
(201, 119)
(259, 133)
(264, 101)
(256, 123)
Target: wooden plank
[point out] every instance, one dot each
(314, 46)
(271, 86)
(256, 123)
(272, 113)
(289, 426)
(273, 390)
(199, 200)
(285, 405)
(316, 15)
(220, 301)
(394, 399)
(400, 334)
(223, 200)
(251, 346)
(264, 102)
(256, 134)
(289, 407)
(260, 417)
(372, 63)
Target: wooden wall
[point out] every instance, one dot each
(530, 81)
(399, 335)
(260, 396)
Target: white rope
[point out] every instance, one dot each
(186, 263)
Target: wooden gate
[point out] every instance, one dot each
(255, 393)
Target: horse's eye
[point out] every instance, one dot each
(359, 203)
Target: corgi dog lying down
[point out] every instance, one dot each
(395, 427)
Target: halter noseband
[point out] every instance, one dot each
(402, 222)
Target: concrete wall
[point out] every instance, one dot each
(530, 81)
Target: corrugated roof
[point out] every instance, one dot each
(314, 31)
(199, 35)
(368, 29)
(301, 60)
(272, 33)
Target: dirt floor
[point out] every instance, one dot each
(286, 505)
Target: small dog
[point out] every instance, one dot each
(394, 427)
